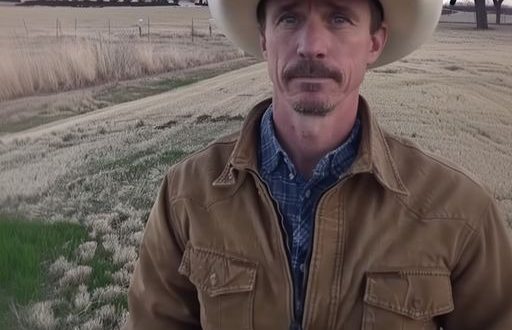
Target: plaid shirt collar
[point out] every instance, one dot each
(331, 164)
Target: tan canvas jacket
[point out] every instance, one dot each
(405, 241)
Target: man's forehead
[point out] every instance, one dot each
(323, 3)
(352, 8)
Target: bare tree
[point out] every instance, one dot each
(481, 15)
(497, 5)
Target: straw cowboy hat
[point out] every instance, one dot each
(410, 24)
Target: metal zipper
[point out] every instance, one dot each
(310, 250)
(286, 248)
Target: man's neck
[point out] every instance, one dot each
(307, 139)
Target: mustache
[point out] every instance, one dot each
(311, 69)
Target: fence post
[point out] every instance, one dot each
(149, 30)
(57, 28)
(25, 25)
(210, 28)
(109, 30)
(192, 30)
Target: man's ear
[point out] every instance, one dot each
(378, 42)
(263, 43)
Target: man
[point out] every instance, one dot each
(313, 217)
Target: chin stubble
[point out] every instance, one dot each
(319, 109)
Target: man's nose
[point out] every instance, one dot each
(313, 40)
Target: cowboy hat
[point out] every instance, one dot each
(410, 24)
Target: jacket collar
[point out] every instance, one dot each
(373, 156)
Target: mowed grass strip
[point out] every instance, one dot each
(26, 250)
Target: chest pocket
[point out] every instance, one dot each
(225, 286)
(406, 299)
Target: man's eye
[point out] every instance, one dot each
(339, 19)
(288, 19)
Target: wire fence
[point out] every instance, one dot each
(470, 18)
(143, 28)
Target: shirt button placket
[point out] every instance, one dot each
(302, 268)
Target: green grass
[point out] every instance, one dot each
(121, 93)
(12, 127)
(133, 91)
(102, 269)
(27, 248)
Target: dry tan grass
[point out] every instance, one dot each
(71, 64)
(42, 52)
(452, 97)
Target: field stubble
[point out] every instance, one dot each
(102, 169)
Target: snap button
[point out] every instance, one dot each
(417, 303)
(291, 176)
(213, 279)
(308, 193)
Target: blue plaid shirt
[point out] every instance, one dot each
(297, 197)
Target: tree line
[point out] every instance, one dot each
(481, 12)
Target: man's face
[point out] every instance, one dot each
(318, 51)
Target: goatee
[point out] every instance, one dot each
(313, 108)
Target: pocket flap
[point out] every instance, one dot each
(217, 273)
(417, 294)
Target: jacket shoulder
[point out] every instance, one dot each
(438, 188)
(192, 177)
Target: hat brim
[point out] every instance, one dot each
(410, 24)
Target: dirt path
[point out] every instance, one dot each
(216, 96)
(33, 111)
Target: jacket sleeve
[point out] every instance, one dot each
(482, 280)
(159, 297)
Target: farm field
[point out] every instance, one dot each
(101, 169)
(59, 62)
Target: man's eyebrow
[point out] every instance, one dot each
(343, 8)
(286, 6)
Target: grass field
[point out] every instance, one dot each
(28, 112)
(28, 248)
(60, 62)
(72, 64)
(110, 196)
(46, 50)
(47, 271)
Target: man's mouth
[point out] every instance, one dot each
(310, 86)
(313, 79)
